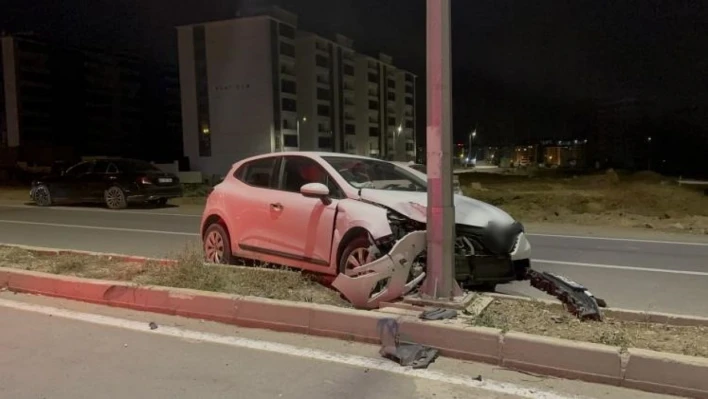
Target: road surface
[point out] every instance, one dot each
(646, 275)
(60, 349)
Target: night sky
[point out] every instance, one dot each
(516, 57)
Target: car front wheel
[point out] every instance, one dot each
(355, 254)
(115, 198)
(217, 248)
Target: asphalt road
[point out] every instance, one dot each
(641, 274)
(60, 349)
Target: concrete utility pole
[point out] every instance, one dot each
(440, 282)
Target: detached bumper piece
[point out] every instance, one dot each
(577, 299)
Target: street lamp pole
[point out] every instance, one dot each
(440, 280)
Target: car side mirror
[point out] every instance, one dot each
(315, 190)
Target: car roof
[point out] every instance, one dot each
(311, 154)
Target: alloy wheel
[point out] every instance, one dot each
(214, 247)
(42, 197)
(357, 258)
(115, 198)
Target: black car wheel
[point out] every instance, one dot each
(115, 198)
(42, 196)
(355, 254)
(217, 248)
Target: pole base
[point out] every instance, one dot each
(459, 302)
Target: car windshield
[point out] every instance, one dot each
(375, 174)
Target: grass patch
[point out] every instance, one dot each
(645, 199)
(189, 271)
(553, 321)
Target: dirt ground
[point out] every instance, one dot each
(642, 200)
(553, 321)
(189, 272)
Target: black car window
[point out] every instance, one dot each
(112, 168)
(134, 166)
(79, 169)
(298, 171)
(100, 167)
(258, 173)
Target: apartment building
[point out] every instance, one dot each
(61, 103)
(257, 84)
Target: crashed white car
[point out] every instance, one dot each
(357, 218)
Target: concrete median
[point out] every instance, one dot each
(639, 369)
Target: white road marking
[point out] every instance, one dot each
(77, 226)
(115, 212)
(616, 267)
(291, 350)
(698, 244)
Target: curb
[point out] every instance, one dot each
(638, 369)
(624, 314)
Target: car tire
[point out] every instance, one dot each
(42, 196)
(158, 202)
(360, 244)
(115, 198)
(217, 245)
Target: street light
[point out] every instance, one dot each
(396, 132)
(472, 135)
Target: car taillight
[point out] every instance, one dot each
(144, 181)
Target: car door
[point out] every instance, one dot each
(95, 181)
(72, 185)
(302, 227)
(248, 206)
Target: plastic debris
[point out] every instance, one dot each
(407, 355)
(438, 314)
(153, 325)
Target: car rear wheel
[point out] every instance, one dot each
(115, 198)
(42, 196)
(158, 202)
(217, 248)
(355, 254)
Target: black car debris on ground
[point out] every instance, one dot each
(115, 182)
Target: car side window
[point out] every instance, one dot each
(100, 167)
(112, 168)
(298, 171)
(79, 169)
(258, 173)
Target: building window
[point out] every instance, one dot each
(348, 70)
(323, 110)
(374, 131)
(288, 86)
(410, 147)
(287, 49)
(409, 78)
(321, 61)
(324, 142)
(391, 84)
(409, 100)
(374, 78)
(323, 94)
(391, 96)
(290, 140)
(289, 105)
(373, 105)
(409, 124)
(349, 129)
(409, 89)
(202, 83)
(287, 31)
(392, 121)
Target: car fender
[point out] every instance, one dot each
(214, 207)
(354, 214)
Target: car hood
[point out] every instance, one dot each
(468, 211)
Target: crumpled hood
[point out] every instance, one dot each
(468, 211)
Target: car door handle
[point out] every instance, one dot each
(277, 206)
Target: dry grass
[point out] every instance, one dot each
(542, 319)
(14, 193)
(188, 272)
(644, 200)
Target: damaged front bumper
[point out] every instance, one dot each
(386, 278)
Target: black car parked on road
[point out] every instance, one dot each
(113, 181)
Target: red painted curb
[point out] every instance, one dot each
(645, 370)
